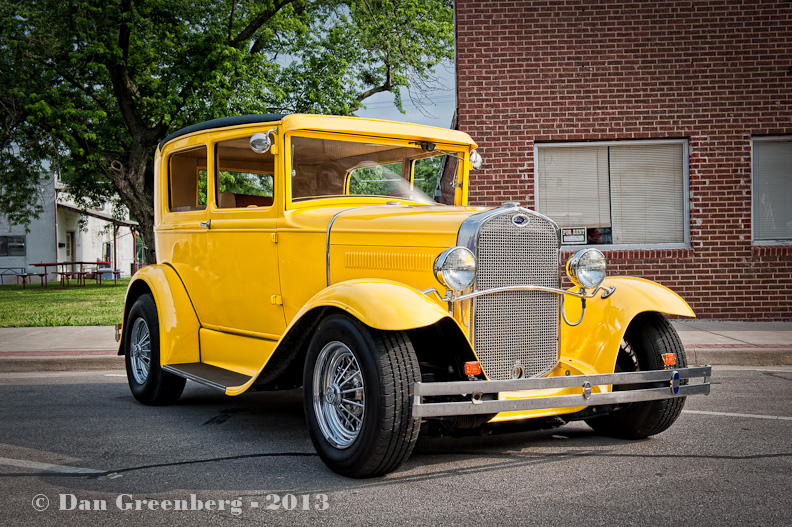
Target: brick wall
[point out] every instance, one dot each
(714, 72)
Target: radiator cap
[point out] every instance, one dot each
(511, 204)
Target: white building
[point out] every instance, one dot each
(65, 233)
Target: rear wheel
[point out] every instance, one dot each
(148, 382)
(357, 387)
(648, 338)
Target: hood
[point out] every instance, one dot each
(388, 225)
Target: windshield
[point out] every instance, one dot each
(324, 168)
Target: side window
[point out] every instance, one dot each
(425, 173)
(244, 178)
(187, 172)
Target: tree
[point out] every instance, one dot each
(92, 86)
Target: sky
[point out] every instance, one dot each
(441, 107)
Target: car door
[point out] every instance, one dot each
(181, 233)
(240, 278)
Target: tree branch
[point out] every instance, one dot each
(386, 86)
(68, 78)
(231, 19)
(125, 90)
(262, 18)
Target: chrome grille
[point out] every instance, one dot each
(516, 326)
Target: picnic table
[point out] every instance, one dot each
(11, 271)
(20, 273)
(77, 269)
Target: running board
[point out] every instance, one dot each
(207, 375)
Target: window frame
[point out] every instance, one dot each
(292, 203)
(754, 241)
(685, 244)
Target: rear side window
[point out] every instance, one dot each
(187, 183)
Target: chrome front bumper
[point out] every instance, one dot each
(476, 389)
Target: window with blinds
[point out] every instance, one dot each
(772, 189)
(631, 193)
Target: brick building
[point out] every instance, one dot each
(661, 132)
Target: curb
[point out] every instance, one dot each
(61, 363)
(744, 356)
(78, 361)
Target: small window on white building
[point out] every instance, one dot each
(630, 193)
(772, 189)
(12, 246)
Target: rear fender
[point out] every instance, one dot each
(178, 322)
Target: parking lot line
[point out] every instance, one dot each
(728, 414)
(47, 467)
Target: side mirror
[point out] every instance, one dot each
(260, 142)
(475, 160)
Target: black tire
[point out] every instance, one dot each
(375, 438)
(148, 382)
(648, 337)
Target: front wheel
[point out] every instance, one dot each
(357, 386)
(648, 337)
(148, 382)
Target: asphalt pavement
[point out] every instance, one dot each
(76, 448)
(77, 348)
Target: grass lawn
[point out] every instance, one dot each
(89, 305)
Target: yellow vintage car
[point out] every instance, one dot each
(304, 250)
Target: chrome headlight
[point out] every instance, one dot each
(455, 268)
(586, 268)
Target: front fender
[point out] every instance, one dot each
(381, 304)
(592, 346)
(178, 322)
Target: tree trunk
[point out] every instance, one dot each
(135, 186)
(146, 231)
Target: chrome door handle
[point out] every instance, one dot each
(207, 223)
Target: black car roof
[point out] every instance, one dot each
(223, 122)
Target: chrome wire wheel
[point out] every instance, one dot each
(140, 350)
(338, 394)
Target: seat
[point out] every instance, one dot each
(229, 200)
(250, 200)
(65, 276)
(226, 200)
(42, 277)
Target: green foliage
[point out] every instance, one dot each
(386, 180)
(378, 180)
(246, 183)
(238, 183)
(425, 174)
(92, 86)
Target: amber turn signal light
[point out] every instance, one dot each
(473, 368)
(669, 359)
